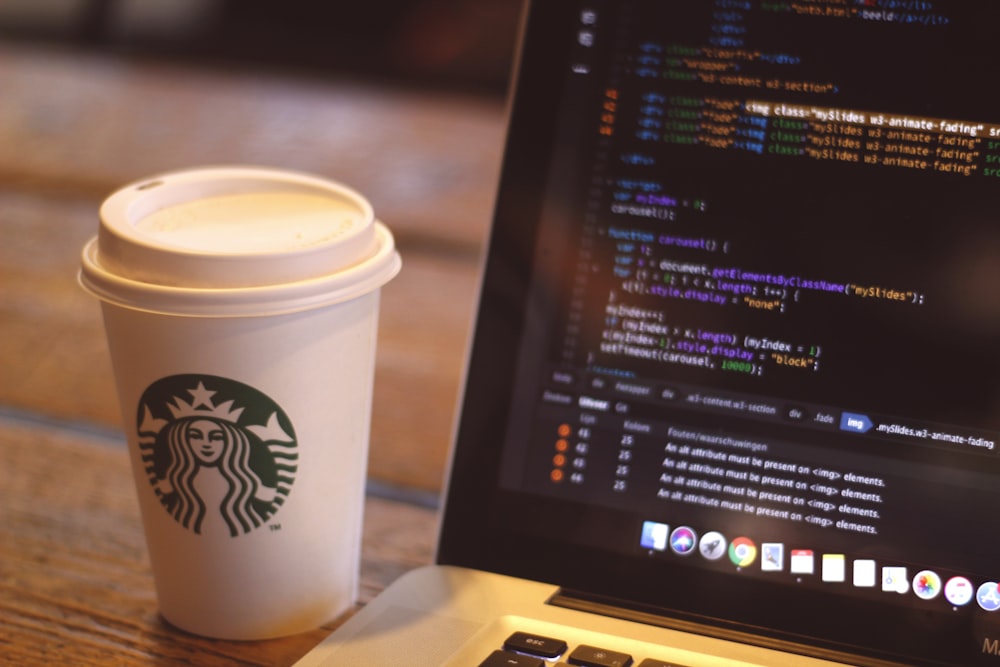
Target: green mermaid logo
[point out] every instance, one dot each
(221, 456)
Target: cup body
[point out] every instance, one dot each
(291, 563)
(247, 412)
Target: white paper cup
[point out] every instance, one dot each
(241, 309)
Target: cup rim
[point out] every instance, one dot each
(255, 301)
(130, 252)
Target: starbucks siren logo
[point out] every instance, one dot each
(221, 456)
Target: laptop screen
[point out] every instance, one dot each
(737, 355)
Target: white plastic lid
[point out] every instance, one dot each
(229, 241)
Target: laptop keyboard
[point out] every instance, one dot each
(527, 650)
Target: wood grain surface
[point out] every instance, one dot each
(75, 582)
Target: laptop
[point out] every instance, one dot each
(732, 396)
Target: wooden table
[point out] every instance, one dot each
(75, 584)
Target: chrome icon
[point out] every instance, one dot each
(742, 551)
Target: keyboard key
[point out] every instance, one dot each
(649, 662)
(544, 647)
(508, 659)
(591, 656)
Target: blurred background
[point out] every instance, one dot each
(401, 99)
(463, 44)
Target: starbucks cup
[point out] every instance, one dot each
(241, 309)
